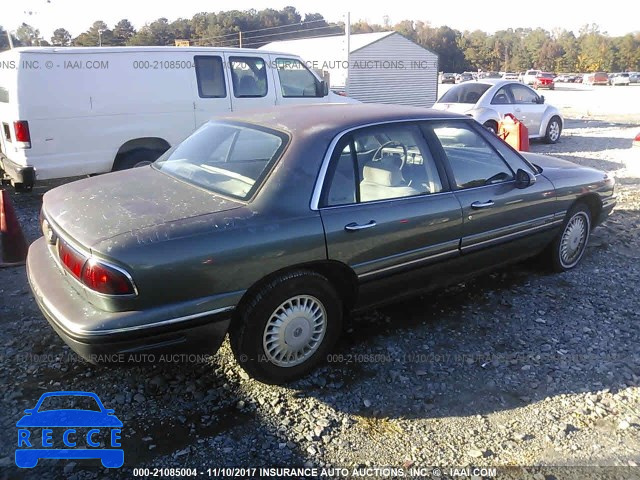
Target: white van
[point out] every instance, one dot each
(80, 111)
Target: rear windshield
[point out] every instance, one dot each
(231, 159)
(465, 93)
(545, 75)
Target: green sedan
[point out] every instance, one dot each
(272, 226)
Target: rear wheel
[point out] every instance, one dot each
(287, 328)
(492, 126)
(554, 129)
(569, 246)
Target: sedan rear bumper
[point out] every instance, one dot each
(65, 310)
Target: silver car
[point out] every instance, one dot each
(488, 101)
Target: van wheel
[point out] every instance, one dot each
(287, 328)
(140, 157)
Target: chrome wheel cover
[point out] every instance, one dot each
(294, 331)
(574, 239)
(554, 130)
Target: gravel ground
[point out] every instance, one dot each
(518, 368)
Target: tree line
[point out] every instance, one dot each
(505, 50)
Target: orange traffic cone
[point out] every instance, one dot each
(13, 246)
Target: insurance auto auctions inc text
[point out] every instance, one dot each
(356, 472)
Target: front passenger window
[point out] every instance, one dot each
(295, 79)
(473, 162)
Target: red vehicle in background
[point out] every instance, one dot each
(598, 78)
(544, 80)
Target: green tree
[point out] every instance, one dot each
(61, 38)
(28, 36)
(98, 34)
(122, 32)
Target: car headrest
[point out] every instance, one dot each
(385, 173)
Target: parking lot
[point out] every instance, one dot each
(520, 367)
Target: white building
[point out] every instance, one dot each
(385, 67)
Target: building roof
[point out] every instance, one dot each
(327, 44)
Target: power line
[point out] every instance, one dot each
(258, 30)
(249, 40)
(299, 38)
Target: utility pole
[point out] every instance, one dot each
(10, 39)
(347, 34)
(240, 38)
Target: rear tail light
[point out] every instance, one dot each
(95, 275)
(105, 279)
(23, 137)
(72, 260)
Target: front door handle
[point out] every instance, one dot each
(353, 227)
(482, 204)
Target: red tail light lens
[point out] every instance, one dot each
(21, 129)
(72, 260)
(107, 280)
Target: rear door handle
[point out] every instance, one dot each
(353, 227)
(482, 204)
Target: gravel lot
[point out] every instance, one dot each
(520, 367)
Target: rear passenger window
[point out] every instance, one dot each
(249, 75)
(381, 163)
(210, 76)
(295, 79)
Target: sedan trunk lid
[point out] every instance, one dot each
(96, 209)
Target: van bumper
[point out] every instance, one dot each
(16, 174)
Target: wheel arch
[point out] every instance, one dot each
(149, 143)
(341, 277)
(593, 203)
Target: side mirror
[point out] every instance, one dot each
(109, 411)
(524, 179)
(541, 99)
(322, 89)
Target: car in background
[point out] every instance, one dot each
(544, 80)
(273, 225)
(510, 76)
(447, 78)
(490, 75)
(529, 76)
(488, 101)
(597, 78)
(634, 77)
(616, 79)
(464, 77)
(636, 141)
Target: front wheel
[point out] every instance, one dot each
(554, 128)
(287, 328)
(569, 246)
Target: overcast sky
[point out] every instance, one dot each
(77, 15)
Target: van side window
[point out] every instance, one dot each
(249, 75)
(295, 79)
(210, 76)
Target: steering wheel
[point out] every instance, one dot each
(378, 155)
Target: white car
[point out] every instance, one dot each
(79, 111)
(619, 79)
(487, 101)
(530, 76)
(510, 76)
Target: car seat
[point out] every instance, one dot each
(383, 179)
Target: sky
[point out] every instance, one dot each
(77, 15)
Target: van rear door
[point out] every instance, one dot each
(213, 96)
(251, 81)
